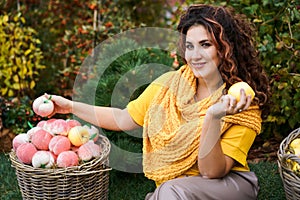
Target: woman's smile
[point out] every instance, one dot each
(198, 65)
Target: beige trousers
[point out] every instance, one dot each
(234, 186)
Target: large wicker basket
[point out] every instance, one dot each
(86, 181)
(291, 181)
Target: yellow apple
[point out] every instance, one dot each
(78, 135)
(295, 143)
(235, 90)
(295, 167)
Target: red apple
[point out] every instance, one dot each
(20, 139)
(43, 106)
(59, 144)
(88, 151)
(25, 152)
(67, 159)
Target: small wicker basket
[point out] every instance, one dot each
(86, 181)
(291, 181)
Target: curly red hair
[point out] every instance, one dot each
(233, 36)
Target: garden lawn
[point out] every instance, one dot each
(127, 186)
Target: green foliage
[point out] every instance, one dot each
(17, 114)
(20, 56)
(69, 30)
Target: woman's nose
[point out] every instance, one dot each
(197, 53)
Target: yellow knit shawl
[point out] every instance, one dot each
(173, 124)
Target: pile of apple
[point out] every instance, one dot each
(56, 142)
(294, 148)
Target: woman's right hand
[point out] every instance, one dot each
(61, 104)
(228, 105)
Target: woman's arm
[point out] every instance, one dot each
(105, 117)
(212, 162)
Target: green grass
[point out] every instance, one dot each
(270, 183)
(128, 186)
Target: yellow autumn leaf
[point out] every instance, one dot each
(5, 18)
(16, 78)
(4, 91)
(32, 84)
(28, 51)
(16, 86)
(10, 93)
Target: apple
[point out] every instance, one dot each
(235, 90)
(25, 152)
(43, 106)
(78, 135)
(59, 144)
(93, 131)
(41, 139)
(32, 131)
(43, 159)
(67, 159)
(295, 143)
(89, 150)
(20, 139)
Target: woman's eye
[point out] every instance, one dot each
(206, 44)
(189, 46)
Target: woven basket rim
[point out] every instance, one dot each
(289, 178)
(82, 169)
(284, 145)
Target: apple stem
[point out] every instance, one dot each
(49, 99)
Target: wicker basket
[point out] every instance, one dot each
(86, 181)
(291, 181)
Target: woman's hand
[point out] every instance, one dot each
(228, 105)
(61, 104)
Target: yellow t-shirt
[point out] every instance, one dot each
(235, 142)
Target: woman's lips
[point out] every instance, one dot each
(198, 65)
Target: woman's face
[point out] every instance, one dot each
(201, 53)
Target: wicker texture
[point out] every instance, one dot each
(86, 181)
(291, 181)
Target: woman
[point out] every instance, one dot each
(196, 137)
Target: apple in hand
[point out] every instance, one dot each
(235, 90)
(78, 135)
(43, 106)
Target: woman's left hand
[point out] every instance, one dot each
(228, 105)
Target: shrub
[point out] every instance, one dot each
(20, 56)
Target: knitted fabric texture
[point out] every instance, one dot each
(173, 124)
